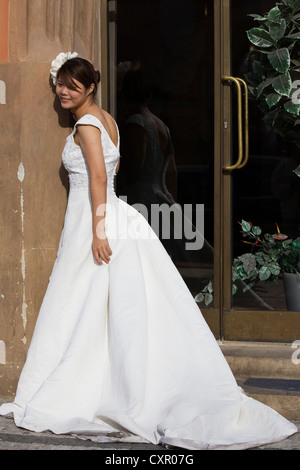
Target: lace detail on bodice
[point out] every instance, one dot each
(78, 180)
(74, 160)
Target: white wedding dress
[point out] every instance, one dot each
(121, 351)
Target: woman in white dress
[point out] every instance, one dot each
(120, 349)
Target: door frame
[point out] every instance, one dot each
(222, 186)
(213, 315)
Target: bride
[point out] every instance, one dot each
(120, 349)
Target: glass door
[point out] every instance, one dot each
(165, 83)
(177, 87)
(263, 191)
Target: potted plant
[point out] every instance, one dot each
(270, 257)
(274, 68)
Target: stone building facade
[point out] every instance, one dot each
(32, 181)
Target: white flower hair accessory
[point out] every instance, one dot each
(58, 62)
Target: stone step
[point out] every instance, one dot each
(269, 360)
(267, 372)
(276, 393)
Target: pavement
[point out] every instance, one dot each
(14, 438)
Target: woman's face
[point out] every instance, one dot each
(69, 98)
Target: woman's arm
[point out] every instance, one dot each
(89, 139)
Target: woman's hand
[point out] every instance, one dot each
(101, 249)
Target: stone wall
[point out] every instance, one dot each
(33, 183)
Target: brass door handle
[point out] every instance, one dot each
(246, 124)
(242, 158)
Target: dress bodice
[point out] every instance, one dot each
(75, 162)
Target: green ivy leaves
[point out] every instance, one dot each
(260, 37)
(274, 15)
(276, 29)
(275, 67)
(280, 60)
(268, 258)
(272, 99)
(282, 84)
(206, 295)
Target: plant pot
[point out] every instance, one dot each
(292, 291)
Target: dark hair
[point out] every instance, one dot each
(136, 86)
(81, 70)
